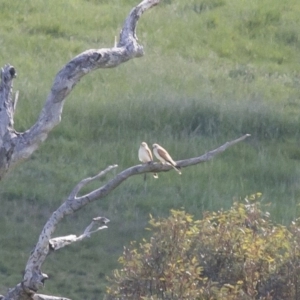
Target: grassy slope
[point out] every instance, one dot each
(213, 70)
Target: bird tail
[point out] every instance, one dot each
(175, 169)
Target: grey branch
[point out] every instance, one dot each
(15, 147)
(60, 242)
(46, 242)
(146, 168)
(85, 181)
(34, 278)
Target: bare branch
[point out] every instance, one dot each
(60, 242)
(34, 278)
(41, 250)
(85, 181)
(47, 297)
(209, 155)
(71, 73)
(16, 295)
(146, 168)
(19, 146)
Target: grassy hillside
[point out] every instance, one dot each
(213, 70)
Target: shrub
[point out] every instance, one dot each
(233, 254)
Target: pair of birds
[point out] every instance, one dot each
(145, 156)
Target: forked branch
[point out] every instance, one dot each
(60, 242)
(34, 278)
(15, 147)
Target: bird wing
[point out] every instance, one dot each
(166, 156)
(149, 153)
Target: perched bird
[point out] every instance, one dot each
(145, 155)
(163, 155)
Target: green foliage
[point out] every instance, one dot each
(230, 254)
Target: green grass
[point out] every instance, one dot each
(213, 70)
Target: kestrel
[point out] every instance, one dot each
(145, 155)
(164, 157)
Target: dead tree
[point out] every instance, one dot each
(18, 146)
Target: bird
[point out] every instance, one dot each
(164, 157)
(145, 155)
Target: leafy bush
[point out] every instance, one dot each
(234, 254)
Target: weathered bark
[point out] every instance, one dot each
(15, 147)
(34, 278)
(7, 134)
